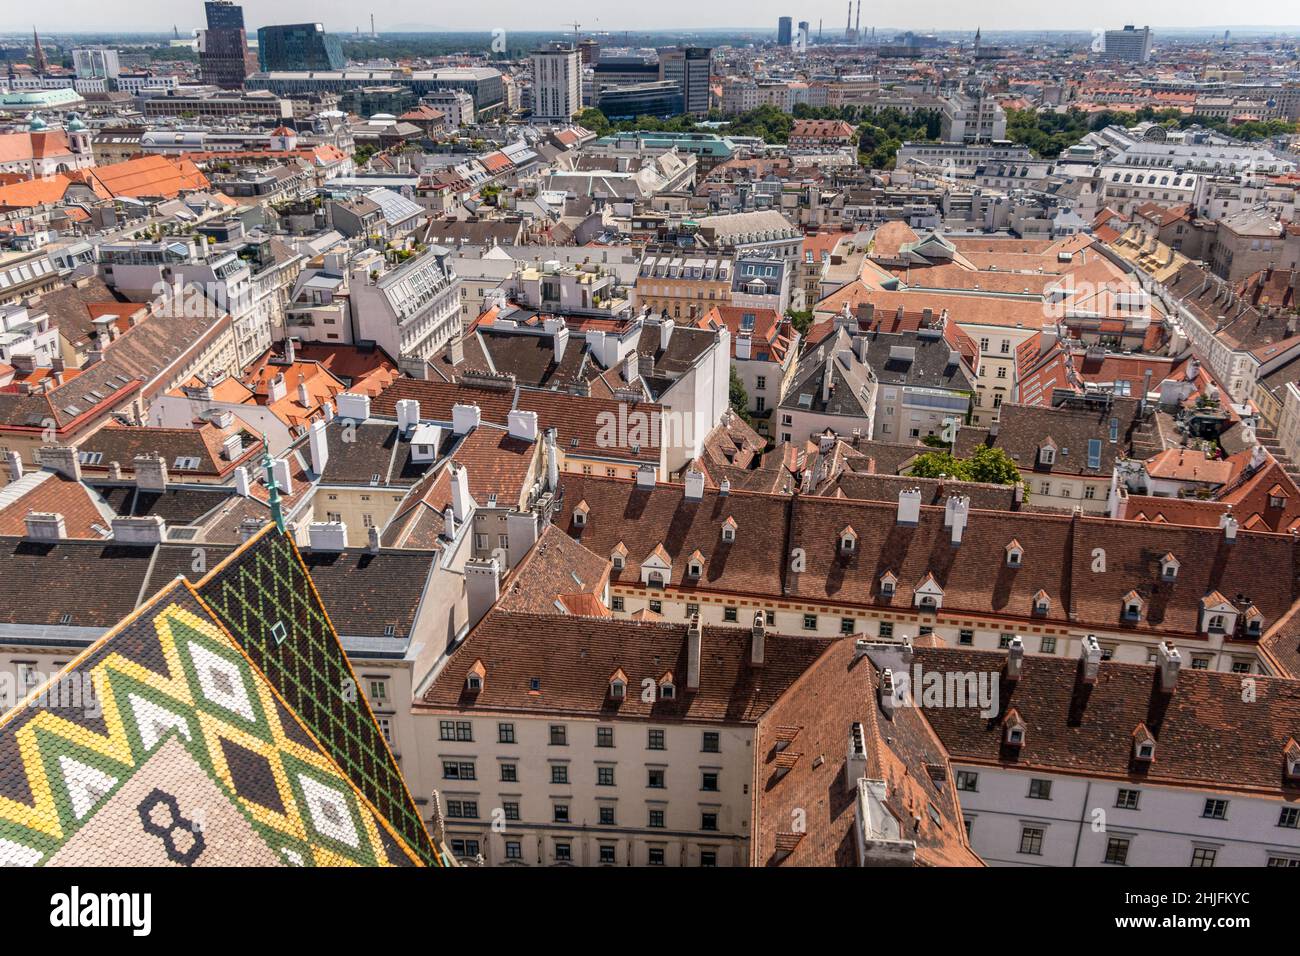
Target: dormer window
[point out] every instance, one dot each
(1042, 603)
(729, 530)
(618, 561)
(888, 584)
(1146, 751)
(1144, 745)
(1015, 729)
(667, 690)
(1015, 554)
(1168, 568)
(694, 569)
(474, 679)
(618, 685)
(848, 540)
(580, 512)
(1254, 622)
(1132, 606)
(1293, 760)
(1047, 454)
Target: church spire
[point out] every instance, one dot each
(272, 489)
(41, 65)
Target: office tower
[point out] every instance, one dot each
(689, 67)
(224, 57)
(557, 83)
(1129, 45)
(96, 63)
(783, 26)
(298, 46)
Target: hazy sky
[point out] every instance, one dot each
(347, 15)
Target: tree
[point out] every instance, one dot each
(936, 464)
(739, 398)
(991, 466)
(594, 120)
(802, 321)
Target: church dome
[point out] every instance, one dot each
(36, 125)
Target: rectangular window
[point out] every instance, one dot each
(1215, 810)
(965, 637)
(709, 820)
(654, 740)
(711, 744)
(509, 773)
(560, 812)
(1127, 799)
(810, 622)
(1203, 856)
(514, 850)
(886, 628)
(847, 625)
(1289, 817)
(1048, 645)
(1040, 790)
(709, 780)
(505, 733)
(606, 853)
(616, 603)
(510, 809)
(606, 816)
(968, 780)
(563, 853)
(1031, 841)
(655, 856)
(458, 770)
(655, 778)
(559, 773)
(604, 776)
(656, 819)
(1116, 851)
(559, 735)
(604, 736)
(729, 614)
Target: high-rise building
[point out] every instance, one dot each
(689, 67)
(298, 46)
(96, 63)
(803, 36)
(1129, 45)
(557, 83)
(783, 31)
(224, 57)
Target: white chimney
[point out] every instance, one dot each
(552, 461)
(352, 405)
(147, 530)
(45, 526)
(15, 463)
(327, 536)
(1229, 525)
(561, 342)
(855, 767)
(64, 459)
(242, 483)
(888, 698)
(408, 414)
(631, 368)
(1090, 655)
(319, 447)
(909, 506)
(304, 394)
(280, 469)
(522, 424)
(744, 346)
(759, 644)
(276, 388)
(1169, 660)
(449, 523)
(461, 501)
(645, 476)
(665, 333)
(232, 447)
(694, 485)
(694, 639)
(150, 472)
(960, 512)
(465, 418)
(482, 588)
(1015, 657)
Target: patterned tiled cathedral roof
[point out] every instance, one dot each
(187, 736)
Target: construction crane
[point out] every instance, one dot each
(575, 26)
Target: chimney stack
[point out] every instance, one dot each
(408, 414)
(15, 463)
(449, 523)
(522, 425)
(461, 501)
(327, 536)
(243, 485)
(1015, 657)
(482, 588)
(1229, 525)
(759, 645)
(150, 472)
(1169, 660)
(318, 447)
(465, 418)
(888, 702)
(957, 512)
(45, 526)
(694, 639)
(694, 485)
(1090, 657)
(61, 458)
(148, 530)
(909, 507)
(552, 461)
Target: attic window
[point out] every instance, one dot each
(1042, 603)
(694, 569)
(617, 689)
(474, 683)
(887, 585)
(1255, 626)
(1047, 455)
(1146, 750)
(1133, 609)
(618, 562)
(729, 531)
(1016, 736)
(848, 541)
(1015, 556)
(185, 463)
(390, 630)
(1168, 568)
(667, 691)
(580, 518)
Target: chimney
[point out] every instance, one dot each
(449, 523)
(352, 405)
(665, 333)
(645, 476)
(744, 345)
(276, 388)
(45, 526)
(1090, 656)
(860, 345)
(15, 463)
(465, 418)
(522, 425)
(280, 469)
(560, 340)
(724, 488)
(827, 372)
(552, 461)
(408, 414)
(482, 588)
(304, 396)
(242, 483)
(759, 643)
(456, 351)
(61, 458)
(148, 530)
(630, 368)
(1229, 525)
(372, 540)
(958, 512)
(461, 502)
(909, 507)
(1169, 660)
(150, 472)
(318, 446)
(290, 351)
(694, 638)
(1015, 658)
(888, 700)
(694, 485)
(327, 536)
(232, 446)
(855, 767)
